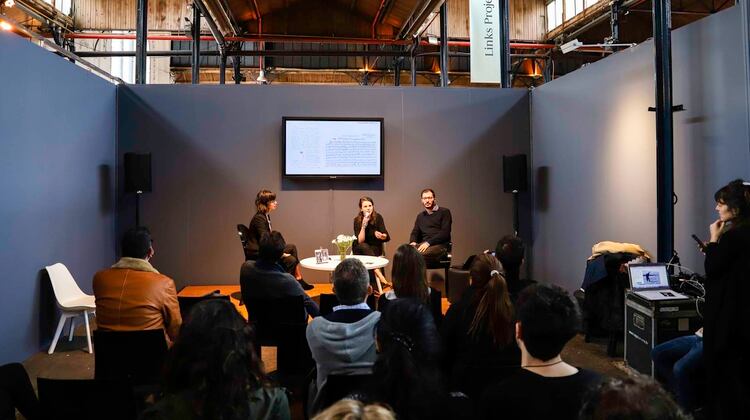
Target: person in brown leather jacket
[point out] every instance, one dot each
(131, 295)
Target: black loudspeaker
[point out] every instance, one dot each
(137, 172)
(514, 173)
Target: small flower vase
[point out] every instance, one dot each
(343, 248)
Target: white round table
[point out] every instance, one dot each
(370, 263)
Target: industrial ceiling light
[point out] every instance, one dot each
(5, 25)
(9, 3)
(571, 46)
(576, 44)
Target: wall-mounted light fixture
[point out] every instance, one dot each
(576, 44)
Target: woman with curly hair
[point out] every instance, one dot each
(213, 372)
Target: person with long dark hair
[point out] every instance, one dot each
(213, 371)
(369, 228)
(510, 251)
(726, 336)
(478, 330)
(409, 275)
(407, 375)
(265, 203)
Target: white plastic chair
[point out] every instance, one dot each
(71, 301)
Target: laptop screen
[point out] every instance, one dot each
(648, 276)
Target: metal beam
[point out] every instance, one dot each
(418, 15)
(141, 44)
(222, 67)
(196, 53)
(664, 130)
(614, 21)
(218, 36)
(252, 53)
(504, 44)
(444, 81)
(397, 72)
(237, 75)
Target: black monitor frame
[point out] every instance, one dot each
(333, 176)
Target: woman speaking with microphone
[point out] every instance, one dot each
(369, 228)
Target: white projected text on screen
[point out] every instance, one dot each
(331, 147)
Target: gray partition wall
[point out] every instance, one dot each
(57, 157)
(214, 147)
(594, 150)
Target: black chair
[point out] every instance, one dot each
(443, 263)
(338, 386)
(86, 399)
(458, 279)
(187, 302)
(244, 234)
(327, 302)
(281, 323)
(435, 304)
(137, 356)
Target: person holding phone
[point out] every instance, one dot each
(369, 228)
(265, 203)
(726, 335)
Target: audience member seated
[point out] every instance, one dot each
(510, 251)
(407, 375)
(132, 295)
(409, 275)
(267, 279)
(342, 342)
(678, 365)
(546, 387)
(633, 398)
(17, 393)
(348, 409)
(213, 372)
(478, 331)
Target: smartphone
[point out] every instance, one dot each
(701, 245)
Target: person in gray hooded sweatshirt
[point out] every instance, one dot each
(343, 342)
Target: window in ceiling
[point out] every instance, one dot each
(61, 5)
(554, 14)
(559, 11)
(124, 67)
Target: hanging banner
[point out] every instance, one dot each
(484, 27)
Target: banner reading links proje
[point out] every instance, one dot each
(484, 27)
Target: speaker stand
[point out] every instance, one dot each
(138, 208)
(515, 213)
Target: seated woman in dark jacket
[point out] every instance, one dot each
(213, 372)
(369, 228)
(409, 277)
(265, 203)
(478, 331)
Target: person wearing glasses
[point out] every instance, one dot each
(265, 203)
(432, 229)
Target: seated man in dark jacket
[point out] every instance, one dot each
(267, 278)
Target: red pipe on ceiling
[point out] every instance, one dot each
(271, 38)
(377, 15)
